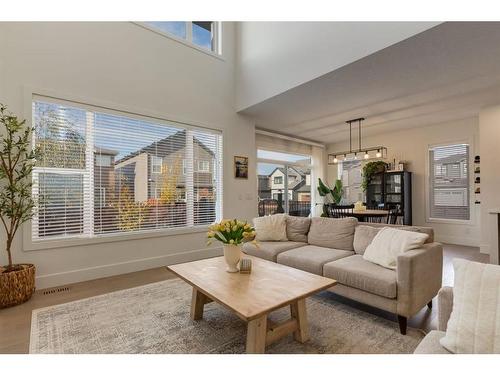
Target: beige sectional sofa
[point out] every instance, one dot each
(334, 248)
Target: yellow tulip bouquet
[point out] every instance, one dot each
(231, 232)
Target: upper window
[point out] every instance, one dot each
(100, 173)
(203, 34)
(102, 160)
(203, 166)
(449, 182)
(156, 164)
(278, 180)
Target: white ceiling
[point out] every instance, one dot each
(445, 73)
(273, 57)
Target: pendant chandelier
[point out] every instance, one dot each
(377, 152)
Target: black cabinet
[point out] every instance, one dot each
(392, 191)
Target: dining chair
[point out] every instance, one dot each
(375, 219)
(339, 211)
(394, 213)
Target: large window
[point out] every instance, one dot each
(350, 172)
(203, 34)
(449, 182)
(101, 173)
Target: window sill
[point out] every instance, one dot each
(29, 245)
(449, 221)
(180, 40)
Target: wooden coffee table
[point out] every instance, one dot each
(253, 296)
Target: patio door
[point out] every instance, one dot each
(284, 183)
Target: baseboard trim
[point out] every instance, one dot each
(454, 240)
(91, 273)
(484, 249)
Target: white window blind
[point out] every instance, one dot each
(100, 173)
(449, 182)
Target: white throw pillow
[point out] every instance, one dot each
(270, 228)
(474, 325)
(388, 243)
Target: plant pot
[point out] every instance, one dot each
(232, 256)
(16, 286)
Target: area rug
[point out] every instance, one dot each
(154, 318)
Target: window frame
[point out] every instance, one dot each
(99, 157)
(278, 180)
(204, 162)
(188, 41)
(427, 188)
(90, 104)
(101, 197)
(155, 158)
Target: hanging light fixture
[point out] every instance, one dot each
(381, 151)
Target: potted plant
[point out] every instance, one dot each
(370, 169)
(17, 281)
(232, 233)
(335, 194)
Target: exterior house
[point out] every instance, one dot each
(264, 186)
(299, 184)
(451, 181)
(147, 170)
(104, 175)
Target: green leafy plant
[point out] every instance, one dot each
(336, 193)
(370, 169)
(17, 160)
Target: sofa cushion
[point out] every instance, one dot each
(426, 230)
(332, 233)
(269, 250)
(297, 228)
(363, 236)
(474, 325)
(270, 228)
(361, 274)
(311, 258)
(430, 344)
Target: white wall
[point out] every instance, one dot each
(489, 132)
(412, 145)
(276, 56)
(127, 67)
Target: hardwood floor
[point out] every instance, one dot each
(15, 322)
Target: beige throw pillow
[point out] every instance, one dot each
(474, 325)
(270, 228)
(363, 236)
(332, 233)
(297, 228)
(389, 243)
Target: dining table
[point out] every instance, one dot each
(368, 215)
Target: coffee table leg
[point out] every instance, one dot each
(198, 300)
(298, 311)
(256, 335)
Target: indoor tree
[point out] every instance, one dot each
(16, 163)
